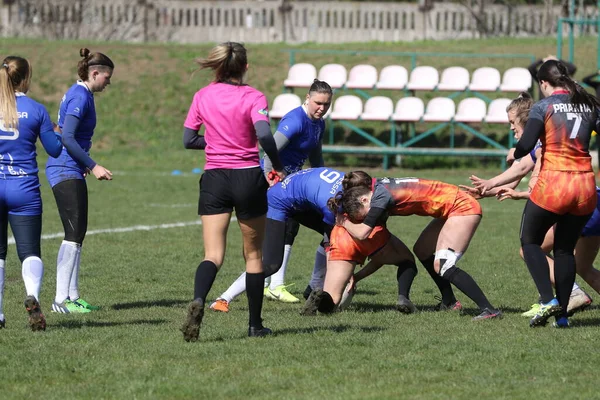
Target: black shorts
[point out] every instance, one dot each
(223, 190)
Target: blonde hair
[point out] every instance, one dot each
(228, 61)
(15, 76)
(521, 106)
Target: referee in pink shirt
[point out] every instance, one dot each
(235, 117)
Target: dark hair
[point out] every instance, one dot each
(349, 202)
(356, 178)
(15, 76)
(96, 61)
(320, 87)
(556, 74)
(228, 60)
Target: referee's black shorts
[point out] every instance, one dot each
(223, 190)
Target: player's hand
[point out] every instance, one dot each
(483, 185)
(507, 193)
(274, 177)
(351, 286)
(56, 129)
(101, 173)
(471, 191)
(510, 157)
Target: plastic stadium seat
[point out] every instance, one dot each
(516, 79)
(423, 78)
(454, 78)
(393, 77)
(283, 104)
(439, 109)
(485, 79)
(362, 77)
(497, 111)
(300, 75)
(409, 109)
(334, 74)
(378, 108)
(347, 107)
(471, 109)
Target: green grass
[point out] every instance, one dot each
(143, 279)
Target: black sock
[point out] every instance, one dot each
(540, 271)
(254, 290)
(407, 270)
(205, 276)
(327, 306)
(443, 285)
(564, 277)
(466, 284)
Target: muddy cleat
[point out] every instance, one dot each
(561, 322)
(456, 306)
(37, 321)
(546, 311)
(405, 306)
(191, 326)
(578, 301)
(259, 332)
(307, 292)
(220, 305)
(312, 303)
(488, 314)
(534, 310)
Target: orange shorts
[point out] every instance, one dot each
(343, 247)
(564, 192)
(464, 204)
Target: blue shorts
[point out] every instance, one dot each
(592, 228)
(62, 169)
(21, 196)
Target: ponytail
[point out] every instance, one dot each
(15, 76)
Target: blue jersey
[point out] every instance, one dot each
(305, 190)
(79, 102)
(17, 146)
(304, 136)
(532, 152)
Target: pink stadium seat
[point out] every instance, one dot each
(409, 109)
(485, 79)
(283, 104)
(454, 79)
(516, 79)
(423, 78)
(378, 108)
(300, 75)
(348, 107)
(334, 74)
(393, 77)
(471, 109)
(439, 109)
(497, 111)
(362, 77)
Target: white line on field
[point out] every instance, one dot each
(11, 240)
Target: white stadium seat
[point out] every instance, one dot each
(485, 79)
(497, 111)
(393, 77)
(471, 109)
(347, 107)
(362, 76)
(283, 104)
(409, 109)
(300, 75)
(378, 108)
(454, 79)
(439, 109)
(423, 78)
(334, 74)
(516, 79)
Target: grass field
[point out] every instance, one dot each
(143, 279)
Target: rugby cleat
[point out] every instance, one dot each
(534, 310)
(191, 326)
(405, 306)
(546, 311)
(578, 301)
(82, 303)
(280, 293)
(488, 313)
(312, 303)
(37, 321)
(259, 332)
(68, 307)
(220, 305)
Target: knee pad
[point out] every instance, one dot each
(448, 259)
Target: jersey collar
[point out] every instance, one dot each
(82, 83)
(560, 91)
(19, 94)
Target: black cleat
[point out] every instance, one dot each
(488, 313)
(405, 306)
(307, 292)
(312, 303)
(191, 326)
(2, 323)
(259, 332)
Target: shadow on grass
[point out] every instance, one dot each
(75, 324)
(334, 328)
(575, 323)
(147, 304)
(369, 307)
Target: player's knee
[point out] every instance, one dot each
(445, 262)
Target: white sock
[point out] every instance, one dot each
(74, 282)
(2, 262)
(267, 281)
(317, 278)
(238, 287)
(278, 278)
(67, 256)
(575, 287)
(33, 272)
